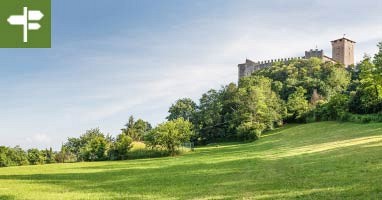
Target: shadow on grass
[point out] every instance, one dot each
(235, 178)
(6, 197)
(166, 182)
(337, 170)
(279, 130)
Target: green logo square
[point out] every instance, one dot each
(25, 23)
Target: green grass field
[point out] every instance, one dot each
(325, 160)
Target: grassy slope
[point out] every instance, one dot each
(312, 161)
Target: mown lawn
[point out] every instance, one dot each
(325, 160)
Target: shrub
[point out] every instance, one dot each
(121, 147)
(95, 150)
(35, 157)
(170, 135)
(147, 153)
(249, 131)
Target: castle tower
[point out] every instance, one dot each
(343, 51)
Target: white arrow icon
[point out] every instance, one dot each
(32, 15)
(34, 26)
(35, 15)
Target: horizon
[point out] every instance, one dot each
(138, 57)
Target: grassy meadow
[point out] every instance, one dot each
(326, 160)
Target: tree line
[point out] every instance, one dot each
(298, 91)
(93, 145)
(16, 156)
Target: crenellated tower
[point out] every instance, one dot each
(343, 51)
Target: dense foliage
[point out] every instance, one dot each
(94, 145)
(17, 156)
(136, 129)
(183, 108)
(170, 135)
(296, 91)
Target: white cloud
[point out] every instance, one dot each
(39, 139)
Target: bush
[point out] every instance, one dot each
(17, 156)
(35, 157)
(95, 149)
(148, 153)
(249, 131)
(335, 109)
(365, 118)
(121, 147)
(170, 135)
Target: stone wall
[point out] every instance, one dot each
(247, 68)
(343, 52)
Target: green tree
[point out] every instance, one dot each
(297, 104)
(184, 108)
(48, 155)
(35, 157)
(338, 80)
(130, 130)
(64, 155)
(337, 108)
(130, 123)
(16, 156)
(121, 147)
(230, 104)
(170, 135)
(3, 156)
(136, 129)
(95, 149)
(369, 91)
(208, 120)
(378, 58)
(260, 108)
(141, 127)
(74, 146)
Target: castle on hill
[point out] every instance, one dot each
(342, 52)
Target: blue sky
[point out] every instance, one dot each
(112, 59)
